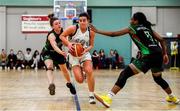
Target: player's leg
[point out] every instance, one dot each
(88, 69)
(165, 86)
(78, 73)
(49, 71)
(157, 68)
(67, 77)
(106, 100)
(134, 68)
(76, 69)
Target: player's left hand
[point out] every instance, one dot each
(92, 27)
(165, 59)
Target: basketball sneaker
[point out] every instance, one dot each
(71, 88)
(173, 99)
(92, 100)
(104, 99)
(52, 89)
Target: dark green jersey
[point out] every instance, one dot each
(58, 41)
(144, 40)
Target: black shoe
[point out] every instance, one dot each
(71, 88)
(52, 89)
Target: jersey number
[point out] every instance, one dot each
(149, 36)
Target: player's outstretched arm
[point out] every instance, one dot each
(110, 33)
(64, 37)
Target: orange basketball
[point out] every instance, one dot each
(78, 50)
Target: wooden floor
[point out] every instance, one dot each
(26, 90)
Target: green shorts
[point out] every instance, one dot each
(53, 55)
(153, 62)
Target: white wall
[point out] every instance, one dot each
(168, 20)
(2, 27)
(15, 38)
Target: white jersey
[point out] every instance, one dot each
(80, 37)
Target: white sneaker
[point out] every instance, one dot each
(32, 65)
(92, 100)
(22, 66)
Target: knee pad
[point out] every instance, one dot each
(160, 81)
(124, 75)
(49, 68)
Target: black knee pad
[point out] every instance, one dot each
(124, 75)
(49, 68)
(160, 81)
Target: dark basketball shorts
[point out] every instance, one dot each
(53, 55)
(153, 62)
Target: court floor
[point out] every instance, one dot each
(27, 90)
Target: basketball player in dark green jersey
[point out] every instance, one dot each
(152, 58)
(52, 54)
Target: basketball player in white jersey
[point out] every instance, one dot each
(81, 33)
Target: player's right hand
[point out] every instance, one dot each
(70, 47)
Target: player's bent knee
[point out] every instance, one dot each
(79, 80)
(49, 68)
(88, 70)
(124, 75)
(160, 81)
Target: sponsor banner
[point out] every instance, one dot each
(35, 24)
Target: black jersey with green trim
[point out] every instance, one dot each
(58, 40)
(144, 39)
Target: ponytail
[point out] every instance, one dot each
(52, 18)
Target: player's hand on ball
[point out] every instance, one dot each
(71, 47)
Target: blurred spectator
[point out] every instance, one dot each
(28, 58)
(11, 59)
(111, 59)
(95, 59)
(41, 62)
(20, 59)
(119, 61)
(36, 59)
(3, 58)
(102, 59)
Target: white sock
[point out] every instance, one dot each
(91, 94)
(111, 94)
(171, 95)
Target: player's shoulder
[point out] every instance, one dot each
(72, 27)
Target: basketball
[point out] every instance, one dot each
(78, 50)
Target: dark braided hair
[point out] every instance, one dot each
(52, 19)
(142, 20)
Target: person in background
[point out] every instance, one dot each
(119, 62)
(3, 58)
(111, 59)
(95, 59)
(102, 59)
(36, 59)
(11, 59)
(20, 60)
(28, 58)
